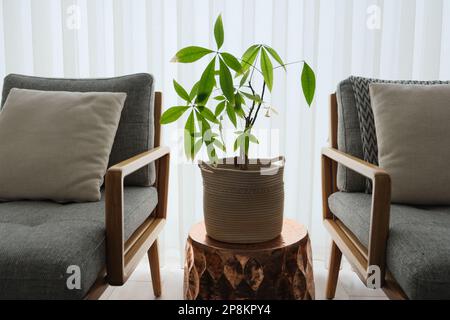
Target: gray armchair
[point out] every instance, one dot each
(41, 242)
(410, 245)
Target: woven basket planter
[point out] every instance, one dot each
(244, 206)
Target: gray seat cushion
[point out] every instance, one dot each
(135, 134)
(40, 240)
(418, 250)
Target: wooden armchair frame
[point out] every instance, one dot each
(344, 241)
(123, 257)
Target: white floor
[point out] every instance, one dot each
(139, 287)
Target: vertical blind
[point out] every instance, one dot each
(392, 39)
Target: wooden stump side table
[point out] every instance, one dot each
(280, 269)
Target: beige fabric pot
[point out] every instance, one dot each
(244, 206)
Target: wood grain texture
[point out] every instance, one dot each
(135, 163)
(157, 118)
(381, 202)
(327, 186)
(162, 184)
(153, 259)
(114, 210)
(333, 271)
(280, 269)
(121, 257)
(362, 167)
(334, 139)
(142, 245)
(333, 121)
(114, 227)
(343, 239)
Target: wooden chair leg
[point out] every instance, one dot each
(333, 271)
(153, 258)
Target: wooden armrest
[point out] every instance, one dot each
(129, 166)
(381, 200)
(362, 167)
(114, 206)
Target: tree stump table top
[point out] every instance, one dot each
(279, 269)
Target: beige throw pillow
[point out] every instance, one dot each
(413, 131)
(56, 145)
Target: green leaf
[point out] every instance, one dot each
(232, 115)
(308, 83)
(255, 98)
(249, 57)
(212, 154)
(205, 128)
(220, 145)
(239, 99)
(189, 137)
(208, 115)
(219, 109)
(219, 98)
(191, 54)
(237, 143)
(218, 32)
(253, 139)
(173, 114)
(231, 61)
(226, 82)
(182, 93)
(244, 78)
(194, 91)
(242, 141)
(247, 144)
(276, 56)
(207, 83)
(267, 69)
(238, 106)
(240, 112)
(197, 147)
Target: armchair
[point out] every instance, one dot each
(41, 241)
(344, 241)
(409, 245)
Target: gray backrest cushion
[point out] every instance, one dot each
(349, 137)
(366, 119)
(135, 134)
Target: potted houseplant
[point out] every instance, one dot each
(243, 198)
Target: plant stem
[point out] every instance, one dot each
(253, 66)
(259, 105)
(244, 162)
(288, 64)
(253, 105)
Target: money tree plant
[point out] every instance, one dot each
(229, 88)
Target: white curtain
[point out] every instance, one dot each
(99, 38)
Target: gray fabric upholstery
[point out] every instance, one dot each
(135, 134)
(418, 250)
(349, 137)
(366, 118)
(40, 240)
(356, 129)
